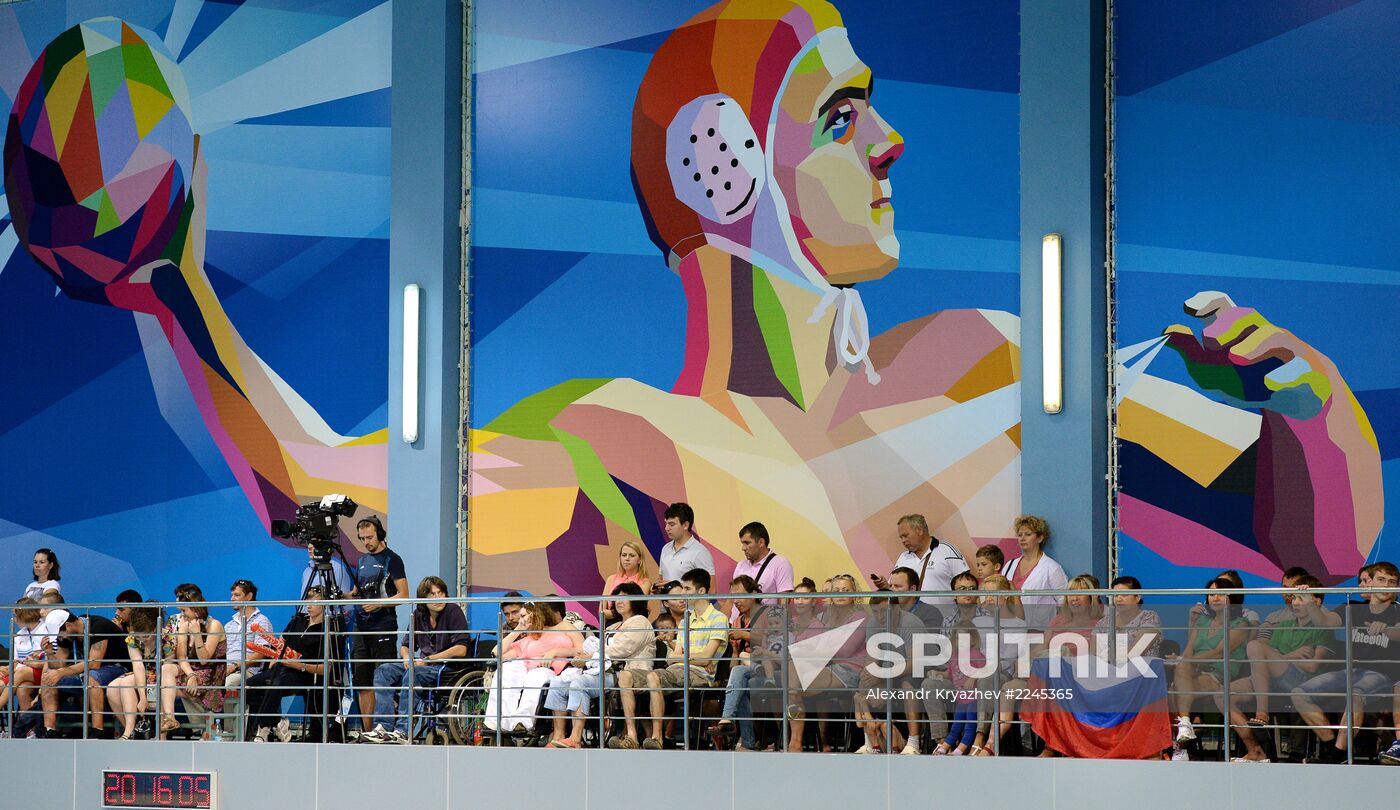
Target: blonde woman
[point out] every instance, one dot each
(1034, 570)
(1077, 617)
(842, 672)
(631, 567)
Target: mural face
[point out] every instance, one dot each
(763, 172)
(830, 145)
(1250, 189)
(171, 164)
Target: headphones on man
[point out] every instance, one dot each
(373, 520)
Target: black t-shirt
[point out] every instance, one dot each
(451, 630)
(374, 579)
(306, 639)
(100, 628)
(1377, 652)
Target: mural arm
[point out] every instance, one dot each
(277, 446)
(1317, 491)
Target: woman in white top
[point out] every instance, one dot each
(1034, 570)
(46, 575)
(628, 642)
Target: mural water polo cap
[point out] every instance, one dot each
(738, 49)
(695, 159)
(99, 153)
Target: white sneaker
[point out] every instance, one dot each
(1185, 732)
(283, 730)
(397, 737)
(377, 735)
(910, 749)
(1180, 755)
(868, 749)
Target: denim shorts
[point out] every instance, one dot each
(1291, 679)
(847, 674)
(1364, 682)
(104, 675)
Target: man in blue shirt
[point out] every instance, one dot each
(380, 575)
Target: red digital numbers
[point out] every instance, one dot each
(119, 789)
(155, 790)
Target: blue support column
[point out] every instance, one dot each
(425, 249)
(1064, 456)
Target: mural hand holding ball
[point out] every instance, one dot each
(1251, 362)
(1309, 458)
(105, 183)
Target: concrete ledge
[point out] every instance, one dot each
(66, 775)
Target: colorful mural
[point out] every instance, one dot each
(206, 185)
(834, 345)
(1251, 169)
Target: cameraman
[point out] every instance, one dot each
(380, 575)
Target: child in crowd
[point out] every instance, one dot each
(665, 626)
(988, 561)
(964, 737)
(1007, 620)
(28, 655)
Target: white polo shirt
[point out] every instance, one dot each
(675, 562)
(944, 563)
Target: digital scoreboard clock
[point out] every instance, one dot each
(150, 790)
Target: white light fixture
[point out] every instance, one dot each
(410, 363)
(1051, 324)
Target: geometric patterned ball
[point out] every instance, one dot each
(98, 155)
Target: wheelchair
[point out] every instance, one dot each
(455, 714)
(451, 713)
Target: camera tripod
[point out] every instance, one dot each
(336, 678)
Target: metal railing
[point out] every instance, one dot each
(805, 654)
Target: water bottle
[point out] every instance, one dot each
(216, 730)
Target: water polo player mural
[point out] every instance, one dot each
(764, 174)
(106, 185)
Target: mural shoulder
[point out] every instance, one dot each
(949, 345)
(530, 417)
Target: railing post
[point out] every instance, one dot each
(325, 673)
(239, 723)
(500, 664)
(603, 671)
(13, 664)
(786, 670)
(412, 669)
(83, 671)
(685, 679)
(995, 728)
(1351, 675)
(1225, 675)
(890, 619)
(160, 670)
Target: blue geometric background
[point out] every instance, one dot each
(291, 100)
(1258, 153)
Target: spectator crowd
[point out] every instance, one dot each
(679, 659)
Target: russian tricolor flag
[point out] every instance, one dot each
(1096, 711)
